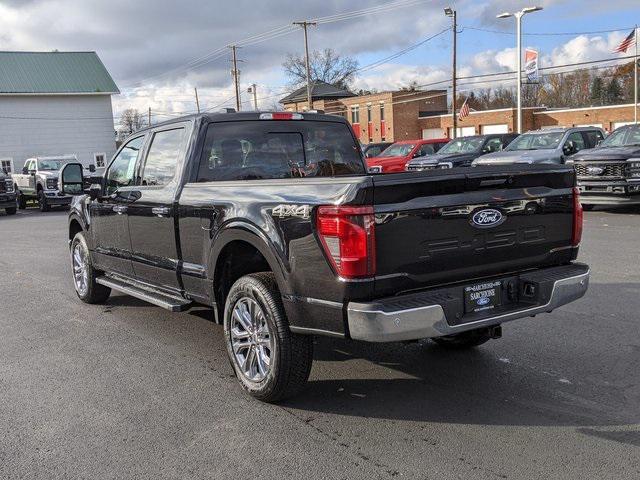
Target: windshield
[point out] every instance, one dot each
(50, 164)
(536, 141)
(462, 145)
(398, 150)
(623, 137)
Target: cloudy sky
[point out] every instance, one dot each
(158, 50)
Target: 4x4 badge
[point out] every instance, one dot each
(283, 211)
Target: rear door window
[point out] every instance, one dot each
(163, 157)
(271, 149)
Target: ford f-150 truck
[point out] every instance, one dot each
(272, 220)
(39, 181)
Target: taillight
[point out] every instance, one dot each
(578, 217)
(348, 236)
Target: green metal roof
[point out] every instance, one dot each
(54, 72)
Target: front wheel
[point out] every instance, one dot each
(270, 362)
(588, 208)
(84, 275)
(42, 202)
(22, 202)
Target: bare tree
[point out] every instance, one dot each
(326, 65)
(131, 121)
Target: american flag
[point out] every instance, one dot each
(627, 43)
(464, 111)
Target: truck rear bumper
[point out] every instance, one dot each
(417, 316)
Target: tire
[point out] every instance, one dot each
(588, 208)
(470, 339)
(22, 202)
(10, 210)
(90, 292)
(42, 201)
(289, 355)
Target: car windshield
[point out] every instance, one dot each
(623, 137)
(398, 150)
(50, 164)
(462, 145)
(536, 141)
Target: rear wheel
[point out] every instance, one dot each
(10, 210)
(470, 339)
(84, 275)
(42, 201)
(270, 362)
(588, 208)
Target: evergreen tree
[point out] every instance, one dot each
(613, 92)
(597, 90)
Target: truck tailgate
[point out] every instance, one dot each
(448, 226)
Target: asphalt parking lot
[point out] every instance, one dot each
(128, 390)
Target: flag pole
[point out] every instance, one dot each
(635, 79)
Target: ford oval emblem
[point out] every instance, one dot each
(487, 218)
(482, 301)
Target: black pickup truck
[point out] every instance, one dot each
(610, 173)
(272, 220)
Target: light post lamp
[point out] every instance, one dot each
(518, 16)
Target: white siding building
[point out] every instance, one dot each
(55, 103)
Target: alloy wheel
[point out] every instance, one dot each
(250, 340)
(80, 270)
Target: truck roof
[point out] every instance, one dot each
(231, 116)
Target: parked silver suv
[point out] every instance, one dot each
(551, 145)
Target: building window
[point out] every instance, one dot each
(7, 165)
(99, 159)
(355, 114)
(368, 113)
(382, 111)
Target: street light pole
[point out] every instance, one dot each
(449, 12)
(518, 16)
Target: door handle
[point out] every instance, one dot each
(161, 211)
(119, 209)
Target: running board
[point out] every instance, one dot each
(172, 304)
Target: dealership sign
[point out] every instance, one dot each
(531, 65)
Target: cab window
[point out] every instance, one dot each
(121, 172)
(578, 141)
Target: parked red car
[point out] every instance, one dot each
(395, 157)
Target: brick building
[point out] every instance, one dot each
(384, 116)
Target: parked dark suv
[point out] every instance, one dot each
(461, 152)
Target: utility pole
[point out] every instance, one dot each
(253, 89)
(449, 12)
(149, 117)
(304, 25)
(236, 75)
(197, 100)
(518, 16)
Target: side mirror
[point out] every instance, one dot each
(95, 191)
(92, 168)
(71, 179)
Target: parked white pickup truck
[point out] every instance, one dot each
(39, 180)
